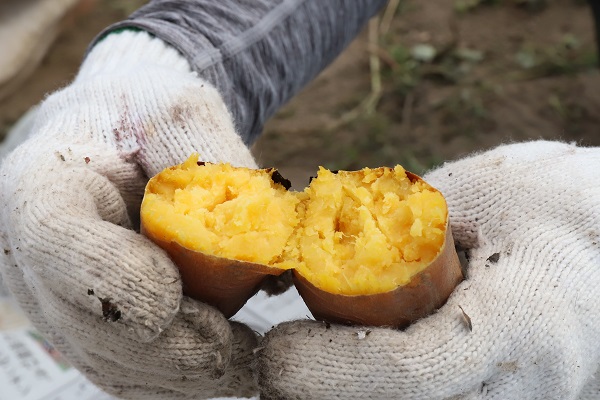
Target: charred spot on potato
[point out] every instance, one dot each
(280, 180)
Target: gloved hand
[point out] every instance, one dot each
(109, 299)
(530, 216)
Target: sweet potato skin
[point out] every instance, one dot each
(220, 282)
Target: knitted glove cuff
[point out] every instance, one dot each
(127, 51)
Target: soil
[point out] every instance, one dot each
(491, 73)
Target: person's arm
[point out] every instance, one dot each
(257, 53)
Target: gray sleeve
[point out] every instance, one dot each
(258, 53)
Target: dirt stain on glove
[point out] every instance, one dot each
(493, 259)
(110, 311)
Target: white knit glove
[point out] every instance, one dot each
(530, 215)
(109, 299)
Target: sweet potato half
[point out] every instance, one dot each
(224, 227)
(370, 247)
(376, 248)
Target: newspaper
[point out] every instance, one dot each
(31, 369)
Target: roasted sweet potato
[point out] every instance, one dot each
(370, 247)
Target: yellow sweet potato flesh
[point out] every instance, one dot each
(368, 232)
(236, 213)
(352, 233)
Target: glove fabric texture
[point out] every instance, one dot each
(529, 215)
(104, 295)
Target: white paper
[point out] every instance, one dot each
(31, 369)
(262, 312)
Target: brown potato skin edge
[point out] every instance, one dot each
(220, 282)
(398, 308)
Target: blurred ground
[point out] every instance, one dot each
(456, 76)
